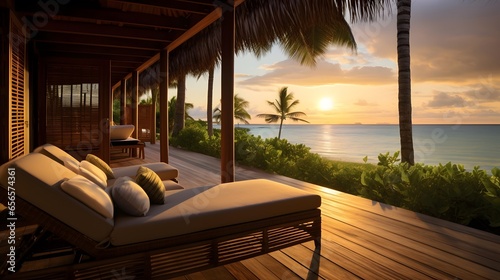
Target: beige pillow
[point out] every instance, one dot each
(89, 194)
(101, 164)
(93, 173)
(129, 197)
(72, 165)
(152, 185)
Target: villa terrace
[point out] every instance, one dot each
(361, 239)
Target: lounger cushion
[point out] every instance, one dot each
(101, 164)
(129, 197)
(89, 194)
(202, 208)
(58, 155)
(93, 173)
(38, 181)
(164, 171)
(152, 185)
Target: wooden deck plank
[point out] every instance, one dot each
(361, 238)
(240, 271)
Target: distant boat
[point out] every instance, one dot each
(358, 123)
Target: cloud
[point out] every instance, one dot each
(324, 73)
(363, 102)
(444, 100)
(451, 41)
(484, 93)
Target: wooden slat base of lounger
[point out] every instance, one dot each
(174, 256)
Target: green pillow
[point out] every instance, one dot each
(101, 164)
(152, 185)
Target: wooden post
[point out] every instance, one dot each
(164, 106)
(123, 102)
(106, 98)
(135, 107)
(227, 97)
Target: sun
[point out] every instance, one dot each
(325, 104)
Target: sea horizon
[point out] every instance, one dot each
(467, 144)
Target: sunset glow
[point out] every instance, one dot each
(325, 104)
(455, 72)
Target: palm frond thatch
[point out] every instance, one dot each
(303, 28)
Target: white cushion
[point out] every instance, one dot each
(93, 173)
(89, 194)
(72, 165)
(130, 197)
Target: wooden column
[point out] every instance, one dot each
(164, 106)
(4, 86)
(227, 97)
(123, 102)
(135, 107)
(106, 101)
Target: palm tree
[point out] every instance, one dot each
(179, 122)
(404, 81)
(210, 94)
(240, 113)
(283, 106)
(172, 107)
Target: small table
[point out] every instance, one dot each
(129, 145)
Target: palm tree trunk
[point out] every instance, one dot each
(209, 101)
(180, 108)
(281, 125)
(404, 81)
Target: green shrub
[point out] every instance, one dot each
(192, 137)
(445, 191)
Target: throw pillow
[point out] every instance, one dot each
(89, 194)
(130, 197)
(152, 185)
(93, 173)
(101, 164)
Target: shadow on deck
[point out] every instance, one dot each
(361, 239)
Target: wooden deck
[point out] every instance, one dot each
(361, 239)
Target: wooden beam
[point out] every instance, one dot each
(183, 6)
(129, 18)
(80, 49)
(88, 40)
(106, 30)
(227, 97)
(202, 24)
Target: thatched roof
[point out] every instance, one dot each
(131, 33)
(303, 28)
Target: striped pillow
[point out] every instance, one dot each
(152, 185)
(95, 160)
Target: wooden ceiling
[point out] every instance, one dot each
(130, 33)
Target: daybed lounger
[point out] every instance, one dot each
(194, 229)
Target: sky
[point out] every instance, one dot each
(455, 68)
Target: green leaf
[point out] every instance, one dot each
(492, 189)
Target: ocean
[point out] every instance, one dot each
(470, 145)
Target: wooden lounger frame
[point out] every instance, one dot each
(173, 256)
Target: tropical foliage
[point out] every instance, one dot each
(283, 107)
(172, 109)
(240, 112)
